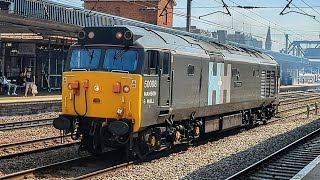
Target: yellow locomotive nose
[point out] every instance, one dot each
(107, 95)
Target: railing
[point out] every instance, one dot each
(82, 17)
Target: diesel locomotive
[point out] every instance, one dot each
(142, 90)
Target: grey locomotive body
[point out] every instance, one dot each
(223, 85)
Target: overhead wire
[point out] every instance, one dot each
(284, 28)
(313, 17)
(310, 7)
(265, 25)
(242, 7)
(132, 2)
(208, 22)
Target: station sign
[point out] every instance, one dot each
(27, 49)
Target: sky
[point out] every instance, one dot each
(251, 21)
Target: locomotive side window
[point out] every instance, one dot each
(225, 70)
(214, 68)
(166, 63)
(152, 62)
(234, 72)
(190, 70)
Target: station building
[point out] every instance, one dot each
(46, 57)
(159, 12)
(45, 49)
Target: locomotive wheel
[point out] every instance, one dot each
(141, 148)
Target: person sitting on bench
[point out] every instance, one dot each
(5, 82)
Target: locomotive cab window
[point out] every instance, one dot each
(120, 60)
(85, 58)
(190, 70)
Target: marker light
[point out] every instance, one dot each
(73, 85)
(116, 87)
(126, 89)
(91, 35)
(119, 35)
(96, 88)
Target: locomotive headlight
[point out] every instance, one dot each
(81, 34)
(126, 89)
(96, 88)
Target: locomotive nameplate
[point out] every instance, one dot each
(150, 91)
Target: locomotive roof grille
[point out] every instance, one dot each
(106, 35)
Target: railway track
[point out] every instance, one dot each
(25, 124)
(107, 162)
(287, 102)
(285, 163)
(34, 146)
(42, 142)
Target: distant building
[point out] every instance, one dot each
(250, 41)
(159, 12)
(268, 42)
(194, 29)
(222, 36)
(237, 37)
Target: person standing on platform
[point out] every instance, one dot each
(30, 79)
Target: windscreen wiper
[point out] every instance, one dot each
(90, 54)
(120, 53)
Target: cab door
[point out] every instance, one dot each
(165, 80)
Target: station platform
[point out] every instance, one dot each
(41, 96)
(310, 172)
(299, 87)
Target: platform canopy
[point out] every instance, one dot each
(10, 23)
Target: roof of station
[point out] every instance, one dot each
(10, 23)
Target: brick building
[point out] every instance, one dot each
(159, 12)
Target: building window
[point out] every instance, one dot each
(117, 11)
(165, 16)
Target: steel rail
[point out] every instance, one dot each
(30, 172)
(25, 124)
(49, 144)
(296, 108)
(297, 97)
(103, 171)
(87, 160)
(298, 101)
(279, 157)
